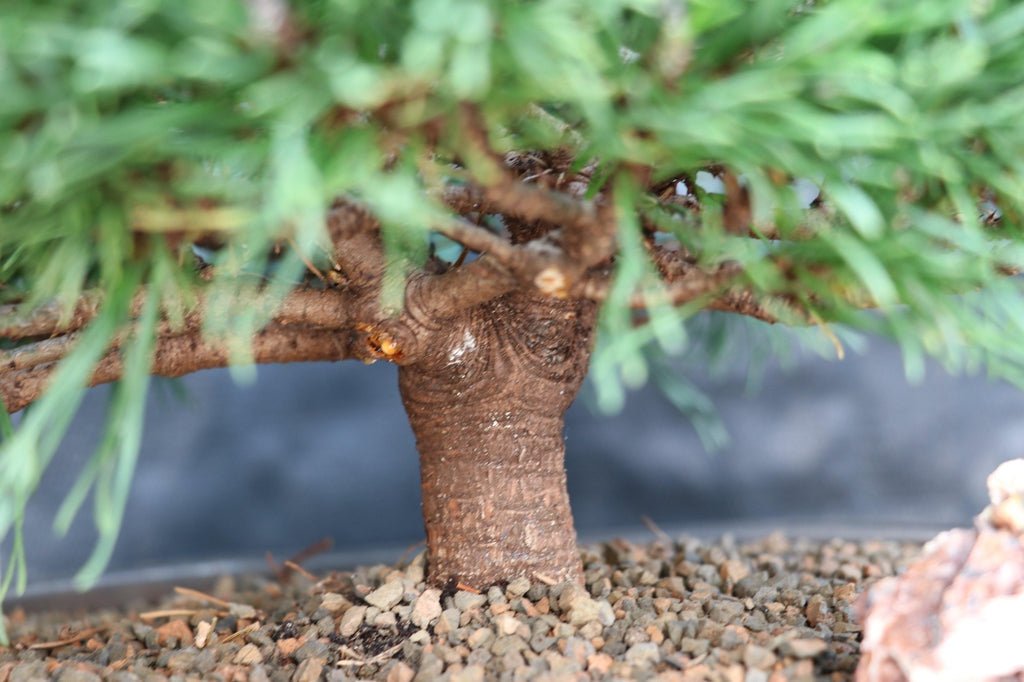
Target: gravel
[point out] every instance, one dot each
(764, 611)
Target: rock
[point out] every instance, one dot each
(288, 646)
(248, 655)
(507, 624)
(758, 657)
(427, 608)
(599, 664)
(725, 611)
(480, 638)
(243, 611)
(177, 630)
(583, 610)
(400, 672)
(309, 670)
(334, 602)
(733, 570)
(471, 673)
(386, 596)
(803, 648)
(967, 591)
(643, 654)
(311, 649)
(464, 600)
(351, 621)
(76, 675)
(518, 587)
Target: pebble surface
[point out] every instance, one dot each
(768, 610)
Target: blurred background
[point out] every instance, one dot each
(309, 451)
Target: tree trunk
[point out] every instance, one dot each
(487, 405)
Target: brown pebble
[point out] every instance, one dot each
(288, 646)
(175, 629)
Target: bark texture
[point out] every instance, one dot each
(487, 401)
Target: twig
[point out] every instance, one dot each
(305, 261)
(383, 656)
(251, 627)
(656, 530)
(300, 570)
(167, 613)
(84, 634)
(589, 231)
(202, 596)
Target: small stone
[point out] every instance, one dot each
(426, 609)
(583, 610)
(387, 619)
(503, 645)
(480, 638)
(464, 600)
(471, 673)
(334, 602)
(386, 596)
(803, 648)
(817, 611)
(733, 570)
(400, 672)
(734, 636)
(518, 587)
(725, 611)
(309, 670)
(507, 624)
(448, 622)
(288, 646)
(748, 586)
(248, 655)
(645, 653)
(180, 661)
(755, 675)
(241, 611)
(352, 621)
(77, 675)
(176, 629)
(694, 646)
(312, 649)
(850, 572)
(755, 656)
(599, 664)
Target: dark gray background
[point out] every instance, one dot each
(308, 451)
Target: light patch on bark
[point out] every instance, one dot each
(466, 345)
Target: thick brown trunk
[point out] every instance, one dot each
(487, 406)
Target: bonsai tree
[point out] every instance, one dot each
(495, 197)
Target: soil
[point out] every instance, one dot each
(767, 610)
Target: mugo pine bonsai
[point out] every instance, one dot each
(496, 197)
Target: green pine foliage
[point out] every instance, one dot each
(129, 126)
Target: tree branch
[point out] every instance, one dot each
(323, 308)
(186, 353)
(588, 230)
(358, 251)
(436, 297)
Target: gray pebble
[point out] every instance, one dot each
(518, 587)
(643, 654)
(311, 649)
(464, 601)
(73, 675)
